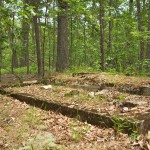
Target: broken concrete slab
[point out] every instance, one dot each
(99, 84)
(46, 87)
(30, 82)
(128, 125)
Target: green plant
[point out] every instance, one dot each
(100, 97)
(31, 118)
(72, 93)
(122, 124)
(77, 131)
(121, 97)
(134, 136)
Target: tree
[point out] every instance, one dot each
(148, 39)
(43, 44)
(25, 39)
(139, 17)
(14, 60)
(101, 21)
(115, 26)
(62, 41)
(54, 36)
(1, 42)
(110, 28)
(37, 38)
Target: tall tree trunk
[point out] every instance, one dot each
(14, 60)
(27, 49)
(24, 60)
(43, 44)
(25, 42)
(37, 40)
(38, 49)
(62, 42)
(139, 16)
(33, 39)
(54, 37)
(93, 25)
(71, 41)
(84, 41)
(148, 39)
(101, 20)
(49, 47)
(1, 42)
(76, 63)
(110, 29)
(0, 61)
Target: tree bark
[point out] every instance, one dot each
(110, 29)
(93, 25)
(37, 40)
(14, 60)
(139, 16)
(0, 59)
(101, 20)
(49, 47)
(71, 41)
(54, 37)
(1, 42)
(33, 39)
(62, 41)
(148, 39)
(24, 61)
(84, 41)
(43, 44)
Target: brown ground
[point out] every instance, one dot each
(23, 126)
(20, 124)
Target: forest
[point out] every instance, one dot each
(47, 36)
(74, 74)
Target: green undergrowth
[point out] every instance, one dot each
(123, 124)
(121, 97)
(77, 131)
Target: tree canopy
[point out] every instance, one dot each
(51, 35)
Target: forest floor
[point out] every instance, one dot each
(22, 126)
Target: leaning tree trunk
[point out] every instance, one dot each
(141, 54)
(62, 42)
(101, 20)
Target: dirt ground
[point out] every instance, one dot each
(26, 127)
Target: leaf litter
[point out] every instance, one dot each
(70, 133)
(26, 127)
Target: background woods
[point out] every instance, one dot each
(49, 35)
